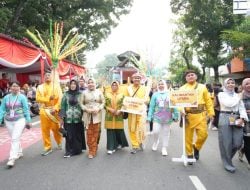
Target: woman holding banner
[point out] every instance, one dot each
(136, 121)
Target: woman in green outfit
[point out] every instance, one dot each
(116, 138)
(71, 119)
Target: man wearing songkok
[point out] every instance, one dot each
(196, 118)
(49, 95)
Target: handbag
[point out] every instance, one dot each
(125, 114)
(63, 132)
(246, 128)
(233, 121)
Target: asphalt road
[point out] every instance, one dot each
(146, 170)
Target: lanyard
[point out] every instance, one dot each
(13, 105)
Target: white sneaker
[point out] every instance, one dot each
(214, 129)
(155, 145)
(164, 151)
(149, 133)
(11, 163)
(119, 147)
(19, 155)
(110, 152)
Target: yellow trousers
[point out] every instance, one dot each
(195, 123)
(48, 125)
(135, 129)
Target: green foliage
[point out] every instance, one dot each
(93, 18)
(178, 68)
(103, 68)
(239, 39)
(205, 21)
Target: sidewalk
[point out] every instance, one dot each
(28, 138)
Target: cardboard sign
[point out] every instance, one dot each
(133, 105)
(183, 98)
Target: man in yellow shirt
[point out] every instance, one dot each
(196, 118)
(136, 123)
(49, 96)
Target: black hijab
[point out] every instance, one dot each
(73, 93)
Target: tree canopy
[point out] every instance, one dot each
(94, 19)
(103, 68)
(239, 39)
(206, 20)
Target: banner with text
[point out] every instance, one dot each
(183, 98)
(133, 105)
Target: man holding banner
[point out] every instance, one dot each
(196, 117)
(136, 123)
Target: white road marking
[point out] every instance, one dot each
(36, 123)
(197, 183)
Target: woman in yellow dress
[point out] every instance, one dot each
(116, 138)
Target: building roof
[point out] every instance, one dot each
(127, 55)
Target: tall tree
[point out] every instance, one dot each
(239, 39)
(103, 68)
(206, 20)
(94, 19)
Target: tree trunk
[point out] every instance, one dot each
(216, 73)
(17, 13)
(203, 74)
(184, 55)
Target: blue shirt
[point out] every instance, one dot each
(159, 110)
(18, 103)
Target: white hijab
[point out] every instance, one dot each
(228, 98)
(165, 86)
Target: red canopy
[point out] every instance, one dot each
(20, 57)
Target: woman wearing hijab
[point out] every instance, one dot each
(92, 104)
(246, 101)
(231, 119)
(116, 138)
(162, 116)
(71, 118)
(15, 112)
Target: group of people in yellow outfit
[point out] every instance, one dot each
(49, 96)
(82, 106)
(92, 102)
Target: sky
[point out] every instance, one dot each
(145, 30)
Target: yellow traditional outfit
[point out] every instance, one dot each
(113, 100)
(196, 118)
(136, 123)
(49, 121)
(116, 137)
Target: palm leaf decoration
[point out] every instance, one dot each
(57, 47)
